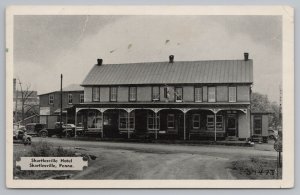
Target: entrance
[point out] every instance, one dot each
(231, 125)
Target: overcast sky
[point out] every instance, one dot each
(46, 46)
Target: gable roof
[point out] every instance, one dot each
(187, 72)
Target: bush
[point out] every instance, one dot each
(45, 149)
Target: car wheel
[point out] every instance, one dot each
(271, 137)
(43, 134)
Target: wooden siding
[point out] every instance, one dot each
(243, 93)
(188, 93)
(104, 94)
(88, 94)
(144, 94)
(222, 93)
(204, 93)
(244, 125)
(123, 94)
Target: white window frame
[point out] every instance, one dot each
(178, 95)
(151, 118)
(132, 94)
(220, 124)
(210, 125)
(51, 99)
(96, 91)
(155, 96)
(196, 121)
(70, 98)
(232, 94)
(113, 94)
(211, 97)
(124, 116)
(171, 121)
(81, 98)
(198, 94)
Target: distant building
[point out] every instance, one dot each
(50, 102)
(179, 99)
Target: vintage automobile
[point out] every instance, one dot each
(20, 136)
(272, 134)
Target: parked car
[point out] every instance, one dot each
(20, 136)
(36, 129)
(272, 134)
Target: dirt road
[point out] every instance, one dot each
(158, 161)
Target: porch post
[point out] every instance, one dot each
(102, 133)
(155, 124)
(184, 128)
(215, 126)
(76, 123)
(128, 125)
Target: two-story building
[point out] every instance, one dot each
(179, 99)
(50, 103)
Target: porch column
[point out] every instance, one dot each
(102, 133)
(184, 128)
(215, 126)
(155, 125)
(76, 110)
(128, 125)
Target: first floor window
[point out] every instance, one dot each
(94, 120)
(211, 122)
(113, 94)
(132, 93)
(171, 121)
(198, 94)
(257, 125)
(81, 98)
(96, 94)
(153, 123)
(178, 94)
(211, 94)
(70, 98)
(123, 120)
(51, 99)
(232, 94)
(155, 93)
(196, 121)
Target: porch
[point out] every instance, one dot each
(165, 123)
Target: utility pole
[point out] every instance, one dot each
(61, 100)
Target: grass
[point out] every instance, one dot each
(40, 149)
(255, 168)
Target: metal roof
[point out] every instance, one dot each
(215, 71)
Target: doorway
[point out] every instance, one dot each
(232, 125)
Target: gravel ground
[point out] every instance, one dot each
(117, 160)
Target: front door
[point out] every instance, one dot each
(231, 125)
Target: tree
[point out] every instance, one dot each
(27, 108)
(261, 103)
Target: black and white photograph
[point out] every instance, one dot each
(150, 97)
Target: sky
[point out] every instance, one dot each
(47, 46)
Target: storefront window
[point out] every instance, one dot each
(94, 120)
(123, 120)
(196, 121)
(151, 123)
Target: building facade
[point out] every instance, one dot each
(50, 103)
(174, 99)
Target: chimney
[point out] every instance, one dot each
(99, 62)
(246, 56)
(171, 59)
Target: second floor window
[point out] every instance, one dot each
(155, 93)
(198, 94)
(178, 94)
(70, 98)
(81, 98)
(232, 94)
(113, 94)
(51, 99)
(96, 94)
(132, 94)
(211, 94)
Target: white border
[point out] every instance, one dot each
(287, 14)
